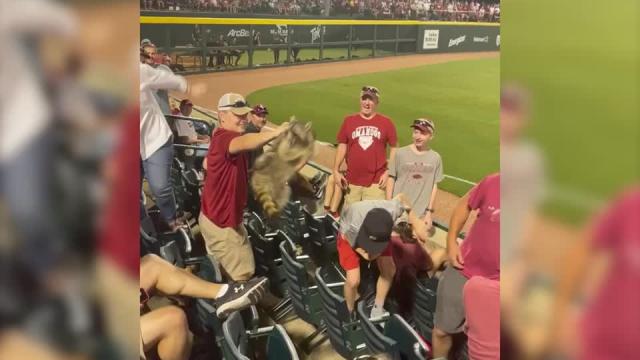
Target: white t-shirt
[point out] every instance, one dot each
(24, 110)
(154, 130)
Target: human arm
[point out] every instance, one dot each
(458, 219)
(385, 176)
(156, 79)
(393, 142)
(341, 152)
(428, 219)
(253, 141)
(393, 173)
(439, 176)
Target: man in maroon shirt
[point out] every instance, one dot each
(479, 255)
(363, 140)
(226, 187)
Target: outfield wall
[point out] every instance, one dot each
(199, 44)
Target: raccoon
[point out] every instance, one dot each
(288, 154)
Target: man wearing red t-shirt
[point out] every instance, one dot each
(363, 140)
(479, 255)
(226, 187)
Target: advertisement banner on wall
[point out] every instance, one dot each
(430, 40)
(460, 38)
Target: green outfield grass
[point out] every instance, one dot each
(583, 73)
(461, 97)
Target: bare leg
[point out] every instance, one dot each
(328, 192)
(156, 273)
(441, 343)
(16, 345)
(387, 271)
(336, 199)
(351, 284)
(166, 328)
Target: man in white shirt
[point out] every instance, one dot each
(156, 142)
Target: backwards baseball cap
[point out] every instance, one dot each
(424, 125)
(260, 110)
(145, 42)
(375, 231)
(234, 103)
(370, 91)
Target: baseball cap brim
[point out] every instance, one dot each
(369, 94)
(423, 128)
(241, 111)
(373, 248)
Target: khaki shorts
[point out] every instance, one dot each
(230, 247)
(357, 193)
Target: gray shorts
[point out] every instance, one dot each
(449, 315)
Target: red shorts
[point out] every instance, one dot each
(349, 258)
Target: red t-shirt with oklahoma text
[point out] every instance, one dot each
(481, 248)
(366, 142)
(225, 192)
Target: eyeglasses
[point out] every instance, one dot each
(237, 104)
(372, 89)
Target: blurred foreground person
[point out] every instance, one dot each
(608, 260)
(166, 329)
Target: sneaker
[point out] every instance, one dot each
(241, 295)
(378, 313)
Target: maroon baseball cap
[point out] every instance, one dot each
(260, 110)
(424, 125)
(186, 102)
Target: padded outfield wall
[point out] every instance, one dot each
(199, 43)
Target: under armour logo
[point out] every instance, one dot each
(237, 289)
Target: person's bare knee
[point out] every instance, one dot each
(150, 267)
(176, 341)
(439, 333)
(352, 280)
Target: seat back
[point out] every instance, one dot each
(149, 243)
(280, 346)
(235, 343)
(409, 344)
(171, 253)
(425, 306)
(259, 246)
(293, 221)
(267, 258)
(203, 319)
(375, 339)
(304, 297)
(322, 238)
(345, 336)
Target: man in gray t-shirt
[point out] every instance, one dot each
(416, 170)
